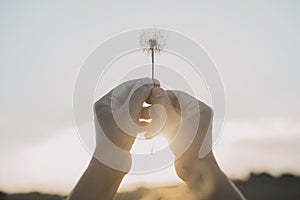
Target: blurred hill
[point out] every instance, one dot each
(257, 187)
(264, 186)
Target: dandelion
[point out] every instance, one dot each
(152, 41)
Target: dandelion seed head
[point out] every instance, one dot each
(153, 40)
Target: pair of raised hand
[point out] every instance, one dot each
(184, 120)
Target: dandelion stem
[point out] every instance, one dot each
(152, 55)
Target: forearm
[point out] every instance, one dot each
(97, 182)
(210, 183)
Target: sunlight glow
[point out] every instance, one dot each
(145, 146)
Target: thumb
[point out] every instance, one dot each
(164, 117)
(160, 96)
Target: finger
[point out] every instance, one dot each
(124, 103)
(145, 113)
(185, 104)
(128, 98)
(118, 95)
(164, 117)
(174, 100)
(160, 96)
(167, 99)
(138, 95)
(126, 89)
(158, 117)
(145, 118)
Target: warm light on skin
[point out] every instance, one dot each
(144, 146)
(165, 176)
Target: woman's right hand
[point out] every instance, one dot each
(188, 128)
(188, 125)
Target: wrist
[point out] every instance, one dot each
(207, 181)
(98, 167)
(200, 175)
(116, 161)
(202, 172)
(111, 155)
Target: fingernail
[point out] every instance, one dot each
(156, 83)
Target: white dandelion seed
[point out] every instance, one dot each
(153, 41)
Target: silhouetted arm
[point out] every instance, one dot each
(201, 173)
(207, 182)
(97, 182)
(102, 180)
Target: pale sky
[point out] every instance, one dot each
(255, 45)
